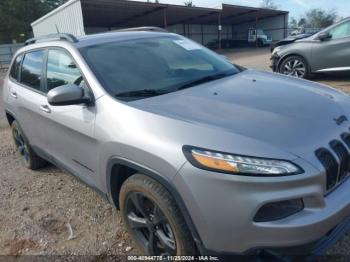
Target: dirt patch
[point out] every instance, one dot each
(38, 208)
(18, 247)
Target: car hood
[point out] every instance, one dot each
(289, 113)
(292, 39)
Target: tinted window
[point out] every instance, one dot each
(341, 31)
(15, 67)
(62, 70)
(160, 64)
(32, 68)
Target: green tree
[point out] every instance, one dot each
(293, 23)
(269, 4)
(16, 16)
(319, 18)
(189, 3)
(302, 22)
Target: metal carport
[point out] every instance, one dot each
(202, 24)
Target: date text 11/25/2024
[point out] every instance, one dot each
(173, 258)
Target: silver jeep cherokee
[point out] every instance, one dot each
(200, 155)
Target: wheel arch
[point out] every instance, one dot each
(284, 57)
(115, 179)
(10, 117)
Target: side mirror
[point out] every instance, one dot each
(67, 95)
(324, 36)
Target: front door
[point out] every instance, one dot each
(70, 129)
(333, 54)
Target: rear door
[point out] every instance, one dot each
(333, 54)
(27, 97)
(70, 129)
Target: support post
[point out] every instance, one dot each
(202, 34)
(219, 29)
(165, 22)
(256, 30)
(285, 34)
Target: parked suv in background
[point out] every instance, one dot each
(326, 51)
(201, 156)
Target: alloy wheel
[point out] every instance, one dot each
(20, 144)
(294, 67)
(151, 227)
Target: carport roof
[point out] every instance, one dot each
(121, 13)
(235, 14)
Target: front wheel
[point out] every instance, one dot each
(153, 219)
(30, 158)
(294, 66)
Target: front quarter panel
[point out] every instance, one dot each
(121, 134)
(301, 48)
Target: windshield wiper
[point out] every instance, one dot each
(141, 93)
(205, 79)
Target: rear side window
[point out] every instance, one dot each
(32, 67)
(15, 67)
(62, 70)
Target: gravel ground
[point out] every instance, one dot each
(50, 212)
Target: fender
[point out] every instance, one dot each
(164, 182)
(291, 54)
(8, 112)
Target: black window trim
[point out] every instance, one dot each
(18, 81)
(91, 94)
(19, 68)
(43, 87)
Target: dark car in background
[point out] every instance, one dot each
(326, 51)
(290, 39)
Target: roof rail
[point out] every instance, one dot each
(143, 28)
(60, 36)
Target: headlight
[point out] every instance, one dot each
(276, 49)
(240, 165)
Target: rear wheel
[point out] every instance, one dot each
(295, 66)
(153, 218)
(30, 159)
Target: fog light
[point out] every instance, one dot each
(278, 210)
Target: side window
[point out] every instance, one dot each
(32, 67)
(61, 70)
(15, 67)
(341, 31)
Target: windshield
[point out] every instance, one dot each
(153, 66)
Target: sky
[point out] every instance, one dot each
(296, 7)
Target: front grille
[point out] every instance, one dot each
(346, 138)
(335, 161)
(344, 158)
(331, 166)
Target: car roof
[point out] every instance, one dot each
(100, 38)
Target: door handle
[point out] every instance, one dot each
(45, 108)
(14, 94)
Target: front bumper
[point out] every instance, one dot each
(222, 208)
(275, 59)
(315, 248)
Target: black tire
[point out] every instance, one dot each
(30, 158)
(295, 66)
(260, 43)
(154, 205)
